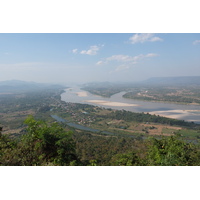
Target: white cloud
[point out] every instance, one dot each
(119, 58)
(196, 42)
(75, 51)
(151, 55)
(155, 39)
(144, 37)
(99, 62)
(127, 61)
(126, 58)
(91, 51)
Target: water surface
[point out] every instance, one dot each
(177, 111)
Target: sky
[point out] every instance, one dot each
(88, 57)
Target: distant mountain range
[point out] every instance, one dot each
(155, 81)
(12, 86)
(176, 81)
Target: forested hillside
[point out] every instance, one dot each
(49, 144)
(30, 136)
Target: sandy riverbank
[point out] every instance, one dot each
(175, 114)
(110, 103)
(82, 94)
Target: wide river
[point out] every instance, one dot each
(116, 101)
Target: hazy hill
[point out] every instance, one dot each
(176, 81)
(154, 81)
(12, 86)
(184, 81)
(98, 84)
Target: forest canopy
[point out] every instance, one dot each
(51, 145)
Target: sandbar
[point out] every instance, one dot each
(175, 114)
(82, 94)
(110, 103)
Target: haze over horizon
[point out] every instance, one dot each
(81, 58)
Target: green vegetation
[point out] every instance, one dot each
(172, 151)
(14, 108)
(139, 139)
(50, 145)
(104, 89)
(41, 145)
(141, 117)
(104, 92)
(182, 94)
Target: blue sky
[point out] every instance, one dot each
(69, 57)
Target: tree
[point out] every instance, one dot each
(126, 159)
(42, 144)
(7, 146)
(171, 151)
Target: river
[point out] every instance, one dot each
(116, 101)
(78, 126)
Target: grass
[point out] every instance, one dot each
(189, 133)
(168, 131)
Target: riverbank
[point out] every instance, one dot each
(176, 114)
(110, 103)
(76, 95)
(162, 101)
(82, 94)
(171, 113)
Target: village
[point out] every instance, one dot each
(78, 113)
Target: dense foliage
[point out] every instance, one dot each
(102, 91)
(141, 117)
(44, 144)
(41, 145)
(172, 151)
